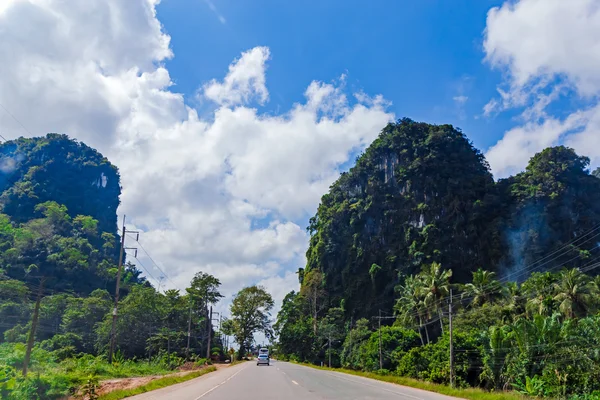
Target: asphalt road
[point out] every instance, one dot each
(285, 381)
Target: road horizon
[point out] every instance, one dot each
(283, 380)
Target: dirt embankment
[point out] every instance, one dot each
(110, 385)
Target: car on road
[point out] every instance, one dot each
(262, 359)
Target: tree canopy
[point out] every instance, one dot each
(250, 313)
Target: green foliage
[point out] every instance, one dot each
(250, 312)
(57, 168)
(416, 196)
(295, 329)
(422, 194)
(89, 389)
(58, 201)
(351, 356)
(432, 363)
(534, 386)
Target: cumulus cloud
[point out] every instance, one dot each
(227, 195)
(245, 80)
(547, 49)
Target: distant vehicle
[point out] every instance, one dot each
(263, 351)
(262, 359)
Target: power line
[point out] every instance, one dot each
(153, 262)
(146, 269)
(15, 118)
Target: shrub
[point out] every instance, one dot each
(201, 361)
(432, 362)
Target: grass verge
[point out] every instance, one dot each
(155, 384)
(470, 393)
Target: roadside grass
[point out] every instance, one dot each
(155, 384)
(470, 393)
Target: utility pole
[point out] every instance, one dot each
(187, 349)
(114, 314)
(379, 318)
(221, 332)
(451, 344)
(209, 333)
(34, 323)
(329, 350)
(380, 351)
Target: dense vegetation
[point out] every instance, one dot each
(58, 269)
(55, 168)
(420, 216)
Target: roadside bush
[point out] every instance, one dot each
(432, 363)
(395, 342)
(62, 346)
(168, 361)
(201, 361)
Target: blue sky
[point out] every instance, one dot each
(420, 55)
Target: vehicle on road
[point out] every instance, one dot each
(263, 351)
(262, 359)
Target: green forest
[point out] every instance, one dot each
(415, 248)
(419, 231)
(59, 257)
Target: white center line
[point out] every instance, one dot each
(294, 382)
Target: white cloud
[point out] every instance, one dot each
(245, 80)
(547, 49)
(514, 150)
(227, 195)
(460, 99)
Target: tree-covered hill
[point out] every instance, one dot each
(57, 168)
(422, 193)
(59, 252)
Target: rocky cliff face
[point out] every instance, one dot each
(422, 193)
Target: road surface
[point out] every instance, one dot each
(285, 381)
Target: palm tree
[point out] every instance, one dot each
(574, 293)
(513, 299)
(483, 289)
(410, 307)
(435, 286)
(539, 291)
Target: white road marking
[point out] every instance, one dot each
(222, 383)
(294, 382)
(376, 387)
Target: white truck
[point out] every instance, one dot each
(263, 356)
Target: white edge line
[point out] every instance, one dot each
(376, 387)
(222, 383)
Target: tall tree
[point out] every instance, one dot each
(250, 313)
(203, 291)
(435, 287)
(313, 289)
(574, 293)
(410, 305)
(50, 252)
(483, 289)
(294, 328)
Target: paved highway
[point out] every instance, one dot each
(285, 381)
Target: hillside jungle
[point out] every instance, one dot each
(419, 223)
(59, 253)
